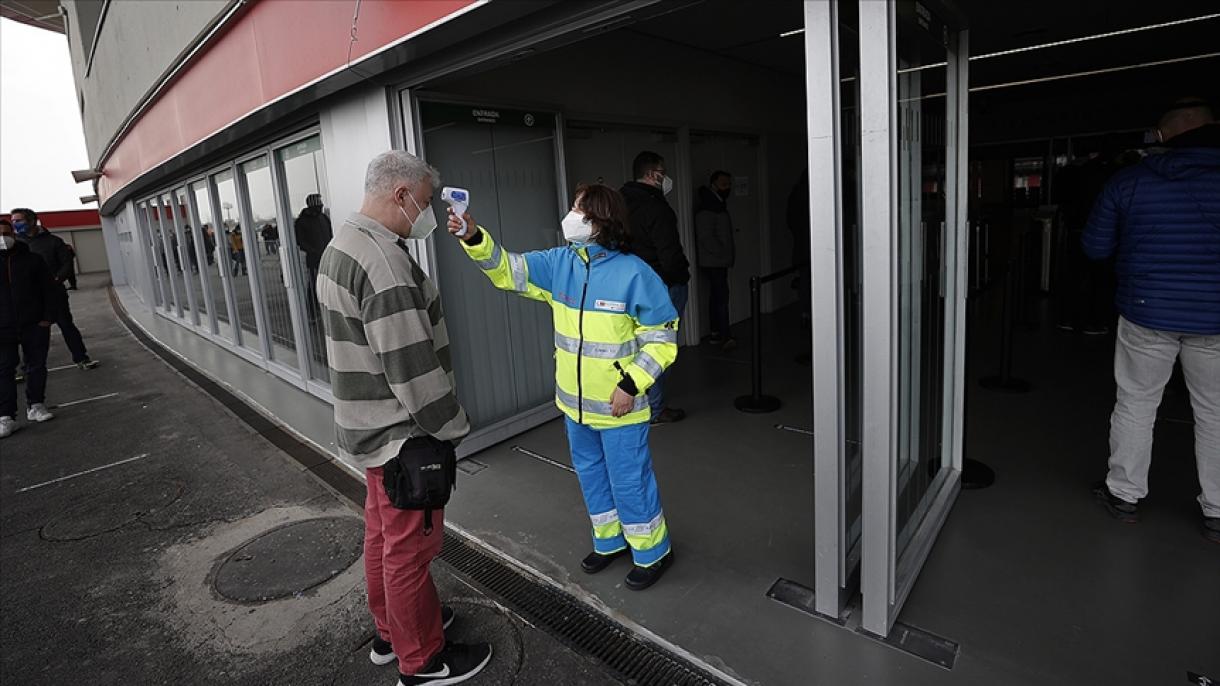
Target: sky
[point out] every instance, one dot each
(41, 137)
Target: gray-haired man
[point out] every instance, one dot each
(388, 352)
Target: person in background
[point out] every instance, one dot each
(58, 258)
(271, 238)
(388, 351)
(655, 239)
(237, 250)
(1160, 220)
(72, 272)
(209, 243)
(798, 226)
(27, 308)
(313, 231)
(190, 249)
(716, 252)
(616, 331)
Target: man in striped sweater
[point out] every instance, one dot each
(392, 381)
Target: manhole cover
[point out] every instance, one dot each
(112, 510)
(290, 559)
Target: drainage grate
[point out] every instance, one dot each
(637, 661)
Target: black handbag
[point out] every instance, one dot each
(421, 477)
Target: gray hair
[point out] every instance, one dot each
(395, 167)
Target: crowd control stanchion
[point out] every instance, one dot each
(757, 402)
(1004, 380)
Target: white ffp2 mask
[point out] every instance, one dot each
(576, 228)
(425, 221)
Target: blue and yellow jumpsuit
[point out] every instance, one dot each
(613, 317)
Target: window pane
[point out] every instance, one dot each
(216, 258)
(263, 239)
(234, 246)
(169, 217)
(190, 256)
(305, 181)
(156, 214)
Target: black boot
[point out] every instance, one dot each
(641, 578)
(596, 562)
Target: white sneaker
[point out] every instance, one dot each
(8, 426)
(38, 413)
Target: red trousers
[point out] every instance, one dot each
(397, 556)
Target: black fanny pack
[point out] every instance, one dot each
(422, 477)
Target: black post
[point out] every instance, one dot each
(1004, 381)
(756, 402)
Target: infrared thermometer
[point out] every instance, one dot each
(459, 200)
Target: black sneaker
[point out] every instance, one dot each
(641, 578)
(1211, 529)
(596, 562)
(87, 364)
(668, 415)
(383, 652)
(1118, 508)
(456, 663)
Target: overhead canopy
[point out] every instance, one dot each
(43, 14)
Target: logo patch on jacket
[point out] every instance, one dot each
(610, 305)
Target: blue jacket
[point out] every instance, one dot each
(1160, 220)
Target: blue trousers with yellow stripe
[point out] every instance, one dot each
(620, 489)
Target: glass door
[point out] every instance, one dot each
(507, 159)
(912, 87)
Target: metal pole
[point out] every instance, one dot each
(756, 402)
(1004, 381)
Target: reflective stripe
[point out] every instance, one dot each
(601, 351)
(652, 367)
(645, 529)
(604, 518)
(516, 265)
(658, 336)
(655, 541)
(493, 261)
(641, 402)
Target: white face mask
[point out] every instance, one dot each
(7, 242)
(576, 228)
(425, 221)
(667, 184)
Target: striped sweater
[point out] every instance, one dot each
(386, 344)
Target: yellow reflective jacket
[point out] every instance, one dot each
(609, 308)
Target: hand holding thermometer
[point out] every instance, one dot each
(459, 201)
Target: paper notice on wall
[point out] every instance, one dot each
(741, 185)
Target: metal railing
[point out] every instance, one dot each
(757, 402)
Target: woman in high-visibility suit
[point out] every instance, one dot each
(615, 332)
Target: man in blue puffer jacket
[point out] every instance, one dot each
(1161, 221)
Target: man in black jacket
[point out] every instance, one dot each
(313, 232)
(655, 239)
(58, 258)
(27, 308)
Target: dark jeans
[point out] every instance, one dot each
(656, 393)
(72, 337)
(718, 300)
(34, 341)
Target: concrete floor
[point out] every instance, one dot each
(106, 574)
(1033, 580)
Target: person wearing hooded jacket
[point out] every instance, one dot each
(27, 309)
(615, 333)
(716, 251)
(655, 239)
(1160, 221)
(59, 260)
(313, 232)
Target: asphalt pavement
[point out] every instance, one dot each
(143, 530)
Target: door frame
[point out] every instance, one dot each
(888, 575)
(413, 138)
